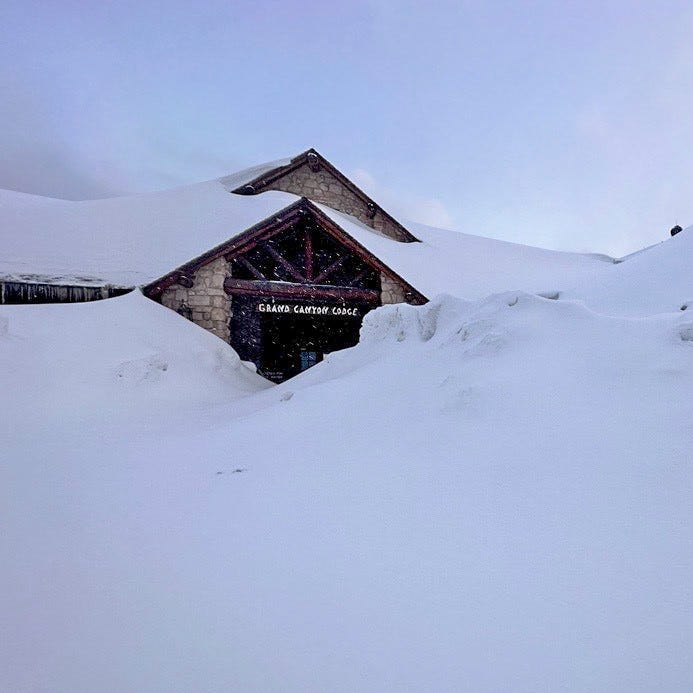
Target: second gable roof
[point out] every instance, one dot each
(267, 177)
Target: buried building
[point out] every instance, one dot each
(284, 292)
(282, 261)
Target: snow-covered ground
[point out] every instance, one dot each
(491, 492)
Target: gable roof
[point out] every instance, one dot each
(260, 178)
(131, 241)
(285, 218)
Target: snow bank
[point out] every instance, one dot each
(125, 357)
(482, 495)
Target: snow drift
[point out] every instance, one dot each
(487, 495)
(655, 280)
(125, 357)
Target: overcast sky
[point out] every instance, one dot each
(562, 124)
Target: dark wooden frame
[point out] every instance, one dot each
(248, 287)
(263, 231)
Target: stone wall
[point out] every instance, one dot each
(322, 186)
(205, 303)
(391, 291)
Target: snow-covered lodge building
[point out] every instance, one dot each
(297, 284)
(282, 261)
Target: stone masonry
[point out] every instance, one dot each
(391, 291)
(205, 303)
(322, 186)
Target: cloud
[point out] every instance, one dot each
(424, 210)
(36, 158)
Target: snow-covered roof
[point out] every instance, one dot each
(124, 241)
(470, 266)
(655, 280)
(134, 240)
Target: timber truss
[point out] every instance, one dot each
(299, 253)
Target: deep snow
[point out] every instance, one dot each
(655, 280)
(491, 492)
(487, 495)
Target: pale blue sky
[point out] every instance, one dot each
(562, 124)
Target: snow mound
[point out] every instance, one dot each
(654, 280)
(507, 491)
(119, 357)
(482, 495)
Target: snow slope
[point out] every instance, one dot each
(658, 279)
(493, 495)
(121, 359)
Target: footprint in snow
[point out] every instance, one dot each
(686, 333)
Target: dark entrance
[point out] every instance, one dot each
(299, 286)
(284, 338)
(295, 342)
(299, 289)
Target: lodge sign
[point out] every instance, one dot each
(300, 309)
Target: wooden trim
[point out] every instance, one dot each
(331, 268)
(283, 262)
(248, 287)
(309, 255)
(264, 230)
(251, 268)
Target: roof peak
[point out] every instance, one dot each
(358, 203)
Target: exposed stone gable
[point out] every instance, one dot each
(322, 186)
(391, 291)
